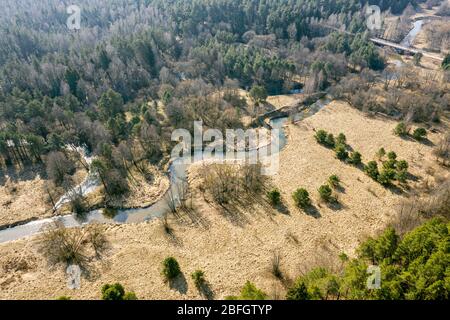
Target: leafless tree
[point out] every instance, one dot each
(72, 245)
(442, 150)
(58, 166)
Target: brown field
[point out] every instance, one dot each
(236, 245)
(284, 100)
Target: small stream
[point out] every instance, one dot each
(177, 174)
(411, 36)
(407, 42)
(88, 185)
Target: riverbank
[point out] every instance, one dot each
(144, 191)
(234, 246)
(23, 196)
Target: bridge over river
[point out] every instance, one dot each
(397, 46)
(386, 43)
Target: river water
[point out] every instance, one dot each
(177, 174)
(411, 36)
(407, 42)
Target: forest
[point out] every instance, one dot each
(59, 87)
(138, 69)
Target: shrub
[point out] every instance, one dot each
(274, 197)
(171, 268)
(341, 139)
(401, 129)
(381, 153)
(341, 152)
(417, 58)
(326, 139)
(325, 193)
(372, 170)
(276, 262)
(321, 137)
(258, 94)
(355, 158)
(78, 203)
(130, 296)
(401, 176)
(116, 292)
(298, 291)
(113, 292)
(199, 278)
(419, 259)
(71, 245)
(317, 284)
(390, 164)
(251, 292)
(330, 142)
(392, 155)
(301, 198)
(116, 184)
(334, 181)
(386, 176)
(446, 63)
(402, 165)
(64, 298)
(419, 133)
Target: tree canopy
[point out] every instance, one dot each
(413, 267)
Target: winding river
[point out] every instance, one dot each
(411, 36)
(177, 174)
(407, 42)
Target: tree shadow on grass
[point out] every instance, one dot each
(92, 273)
(234, 214)
(169, 233)
(174, 239)
(26, 173)
(395, 189)
(261, 200)
(194, 217)
(179, 284)
(312, 211)
(287, 281)
(335, 205)
(407, 137)
(206, 291)
(424, 140)
(238, 210)
(359, 166)
(412, 177)
(281, 208)
(427, 142)
(340, 189)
